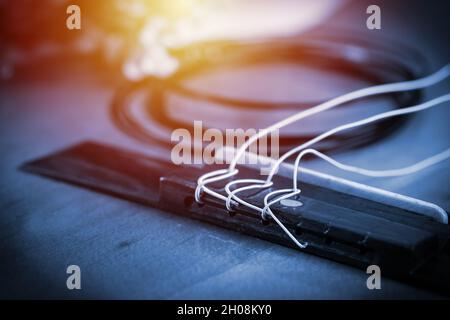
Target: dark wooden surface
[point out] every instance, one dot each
(129, 251)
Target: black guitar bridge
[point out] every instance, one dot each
(405, 238)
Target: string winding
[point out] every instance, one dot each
(232, 200)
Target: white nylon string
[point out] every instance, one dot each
(233, 200)
(288, 193)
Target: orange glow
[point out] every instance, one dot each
(185, 22)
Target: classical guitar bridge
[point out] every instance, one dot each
(340, 220)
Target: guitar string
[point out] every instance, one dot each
(266, 212)
(223, 174)
(233, 200)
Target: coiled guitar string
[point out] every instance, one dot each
(233, 200)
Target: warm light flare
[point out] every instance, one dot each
(179, 23)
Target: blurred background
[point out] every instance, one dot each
(56, 89)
